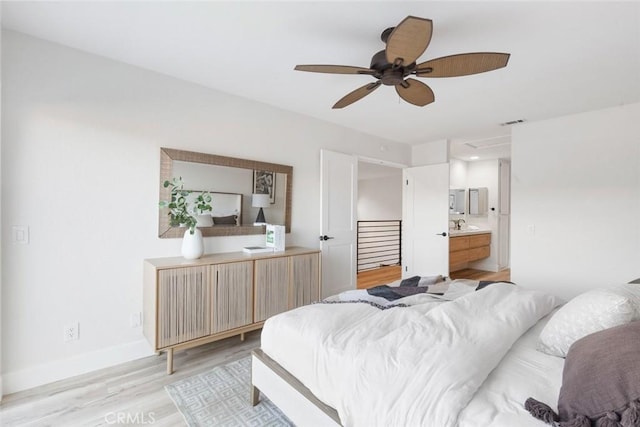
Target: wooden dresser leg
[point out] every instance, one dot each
(255, 395)
(242, 336)
(170, 361)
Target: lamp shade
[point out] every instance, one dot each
(260, 200)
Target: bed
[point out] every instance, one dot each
(458, 359)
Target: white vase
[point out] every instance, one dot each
(192, 244)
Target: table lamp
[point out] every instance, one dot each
(260, 201)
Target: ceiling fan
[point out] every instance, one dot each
(391, 66)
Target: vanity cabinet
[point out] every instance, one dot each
(193, 302)
(464, 249)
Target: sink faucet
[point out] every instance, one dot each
(456, 223)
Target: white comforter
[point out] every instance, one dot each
(413, 366)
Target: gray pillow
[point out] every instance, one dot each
(600, 381)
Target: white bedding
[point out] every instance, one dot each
(415, 366)
(524, 372)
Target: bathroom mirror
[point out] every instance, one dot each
(457, 201)
(231, 181)
(478, 201)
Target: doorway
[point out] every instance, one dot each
(483, 164)
(379, 215)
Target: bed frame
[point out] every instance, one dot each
(288, 393)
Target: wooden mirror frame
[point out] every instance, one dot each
(168, 155)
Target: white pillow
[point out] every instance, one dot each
(204, 220)
(632, 292)
(585, 314)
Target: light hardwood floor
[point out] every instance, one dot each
(379, 276)
(134, 388)
(469, 273)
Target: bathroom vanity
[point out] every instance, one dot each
(466, 246)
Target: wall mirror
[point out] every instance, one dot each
(457, 201)
(232, 183)
(478, 201)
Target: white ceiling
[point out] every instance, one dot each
(566, 57)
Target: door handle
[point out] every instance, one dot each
(325, 237)
(443, 234)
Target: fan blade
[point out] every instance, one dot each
(334, 69)
(408, 40)
(357, 94)
(462, 64)
(415, 92)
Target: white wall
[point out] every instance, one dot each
(2, 235)
(80, 166)
(576, 201)
(457, 174)
(380, 198)
(430, 153)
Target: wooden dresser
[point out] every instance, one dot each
(466, 248)
(193, 302)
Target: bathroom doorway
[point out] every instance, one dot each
(481, 174)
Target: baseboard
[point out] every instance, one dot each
(484, 265)
(61, 369)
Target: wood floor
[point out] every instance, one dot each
(384, 275)
(469, 273)
(379, 276)
(134, 390)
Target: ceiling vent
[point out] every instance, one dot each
(512, 122)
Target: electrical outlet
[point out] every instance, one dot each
(72, 332)
(20, 234)
(135, 320)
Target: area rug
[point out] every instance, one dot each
(221, 397)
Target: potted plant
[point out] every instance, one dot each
(183, 215)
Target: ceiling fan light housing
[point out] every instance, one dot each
(386, 33)
(379, 61)
(391, 77)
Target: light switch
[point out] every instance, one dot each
(531, 229)
(20, 234)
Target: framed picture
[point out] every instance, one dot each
(264, 182)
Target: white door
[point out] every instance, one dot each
(425, 220)
(338, 204)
